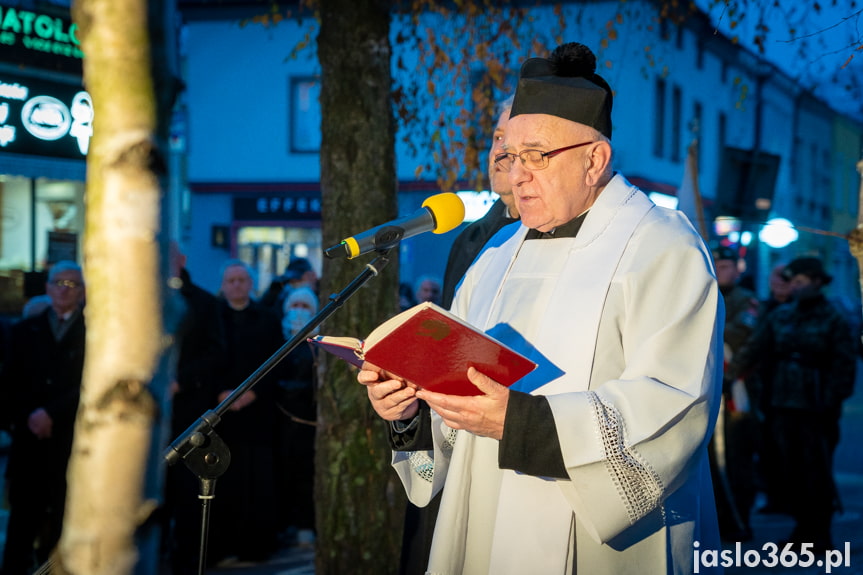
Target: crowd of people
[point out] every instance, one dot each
(790, 362)
(784, 386)
(264, 500)
(666, 394)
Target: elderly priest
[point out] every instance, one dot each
(596, 461)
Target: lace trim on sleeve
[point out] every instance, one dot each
(423, 464)
(449, 439)
(638, 484)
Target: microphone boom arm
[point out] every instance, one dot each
(205, 453)
(195, 436)
(439, 214)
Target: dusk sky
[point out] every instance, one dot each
(823, 48)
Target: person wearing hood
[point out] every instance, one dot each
(297, 424)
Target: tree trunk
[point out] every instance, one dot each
(855, 237)
(360, 505)
(125, 333)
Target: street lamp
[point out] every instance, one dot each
(778, 233)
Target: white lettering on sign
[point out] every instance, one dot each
(82, 120)
(300, 205)
(7, 134)
(13, 91)
(46, 118)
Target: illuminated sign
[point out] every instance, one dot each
(281, 206)
(44, 118)
(476, 204)
(40, 40)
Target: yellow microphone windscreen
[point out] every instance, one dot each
(448, 211)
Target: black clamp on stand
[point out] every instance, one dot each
(201, 448)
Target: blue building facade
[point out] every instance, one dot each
(252, 140)
(246, 141)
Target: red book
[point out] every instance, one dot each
(433, 349)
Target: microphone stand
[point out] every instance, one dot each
(201, 448)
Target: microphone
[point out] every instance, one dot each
(439, 214)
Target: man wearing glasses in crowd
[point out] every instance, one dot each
(39, 390)
(596, 461)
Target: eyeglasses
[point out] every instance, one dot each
(532, 159)
(71, 284)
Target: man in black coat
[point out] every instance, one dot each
(40, 386)
(473, 238)
(245, 520)
(200, 367)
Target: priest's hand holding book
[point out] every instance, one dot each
(396, 400)
(392, 398)
(428, 353)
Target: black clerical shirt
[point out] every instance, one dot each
(567, 230)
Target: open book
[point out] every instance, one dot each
(432, 348)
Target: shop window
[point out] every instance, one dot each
(42, 223)
(268, 249)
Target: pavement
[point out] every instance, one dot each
(288, 561)
(744, 558)
(847, 527)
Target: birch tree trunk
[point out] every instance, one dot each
(359, 502)
(125, 334)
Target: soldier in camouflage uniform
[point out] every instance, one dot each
(812, 352)
(772, 483)
(732, 450)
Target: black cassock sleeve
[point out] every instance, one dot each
(414, 434)
(530, 444)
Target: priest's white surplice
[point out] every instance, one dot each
(625, 322)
